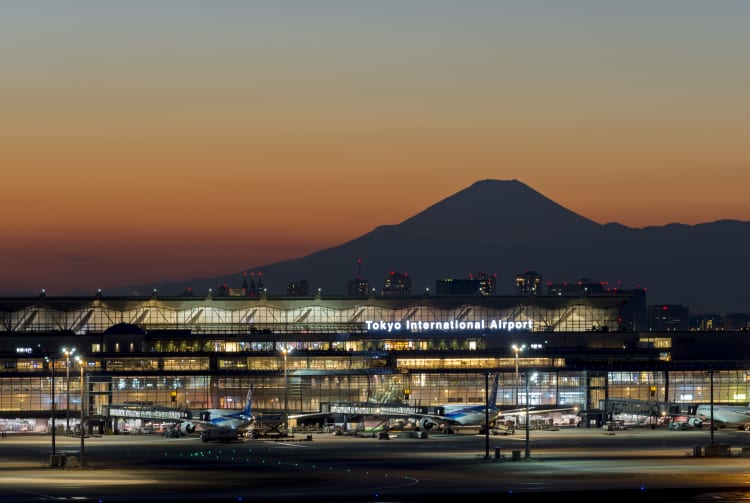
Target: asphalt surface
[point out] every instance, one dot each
(652, 465)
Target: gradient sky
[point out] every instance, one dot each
(165, 140)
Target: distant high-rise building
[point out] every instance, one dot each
(529, 283)
(397, 284)
(260, 289)
(479, 284)
(662, 318)
(706, 322)
(487, 283)
(359, 286)
(225, 290)
(633, 314)
(736, 321)
(251, 289)
(455, 286)
(297, 288)
(583, 286)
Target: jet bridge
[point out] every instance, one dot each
(144, 412)
(371, 409)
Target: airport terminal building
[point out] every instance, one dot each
(101, 357)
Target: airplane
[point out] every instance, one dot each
(463, 415)
(231, 419)
(476, 415)
(449, 416)
(453, 414)
(724, 416)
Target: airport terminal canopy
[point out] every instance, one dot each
(303, 315)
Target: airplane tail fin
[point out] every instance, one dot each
(248, 411)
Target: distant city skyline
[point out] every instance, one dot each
(144, 141)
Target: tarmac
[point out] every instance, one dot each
(651, 465)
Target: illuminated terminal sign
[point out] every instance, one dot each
(454, 325)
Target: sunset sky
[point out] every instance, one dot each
(165, 140)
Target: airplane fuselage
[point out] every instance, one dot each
(235, 419)
(469, 415)
(729, 416)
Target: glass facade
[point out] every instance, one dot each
(190, 354)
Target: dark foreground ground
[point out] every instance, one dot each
(650, 465)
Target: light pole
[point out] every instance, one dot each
(81, 363)
(487, 415)
(517, 349)
(711, 373)
(285, 351)
(52, 407)
(527, 453)
(67, 353)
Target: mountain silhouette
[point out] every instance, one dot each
(504, 227)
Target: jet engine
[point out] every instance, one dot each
(426, 424)
(695, 422)
(186, 428)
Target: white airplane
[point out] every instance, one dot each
(448, 415)
(477, 415)
(724, 416)
(233, 419)
(463, 415)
